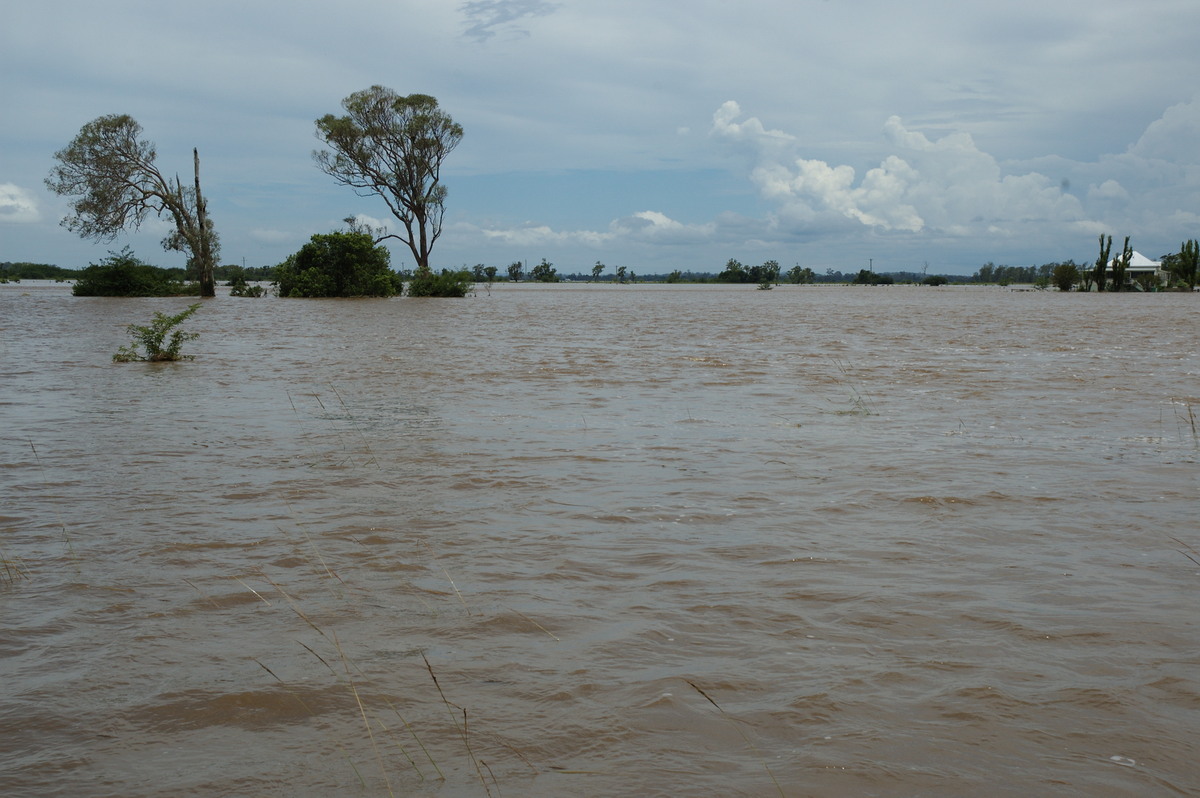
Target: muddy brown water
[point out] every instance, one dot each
(603, 541)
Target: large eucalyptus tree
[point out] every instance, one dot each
(393, 146)
(111, 173)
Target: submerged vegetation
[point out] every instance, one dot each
(340, 264)
(123, 274)
(446, 283)
(238, 286)
(152, 336)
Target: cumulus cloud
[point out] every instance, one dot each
(641, 227)
(1149, 190)
(1173, 136)
(533, 235)
(1108, 190)
(659, 228)
(751, 132)
(17, 205)
(945, 185)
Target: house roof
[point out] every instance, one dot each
(1138, 261)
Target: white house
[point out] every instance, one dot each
(1140, 266)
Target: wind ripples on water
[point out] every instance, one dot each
(603, 540)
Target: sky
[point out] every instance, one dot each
(833, 134)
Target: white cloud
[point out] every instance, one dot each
(17, 206)
(1173, 136)
(752, 128)
(641, 227)
(945, 185)
(271, 236)
(652, 226)
(541, 235)
(766, 144)
(1108, 190)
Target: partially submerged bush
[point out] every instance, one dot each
(123, 274)
(1065, 276)
(447, 284)
(338, 265)
(868, 277)
(152, 336)
(238, 285)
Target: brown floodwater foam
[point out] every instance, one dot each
(603, 541)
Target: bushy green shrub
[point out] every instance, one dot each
(446, 284)
(338, 265)
(152, 336)
(1065, 275)
(122, 274)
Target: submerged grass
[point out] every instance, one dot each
(354, 423)
(462, 730)
(741, 734)
(386, 727)
(859, 405)
(12, 569)
(1189, 417)
(1194, 555)
(535, 623)
(58, 516)
(399, 746)
(355, 681)
(349, 456)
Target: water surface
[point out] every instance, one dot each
(603, 541)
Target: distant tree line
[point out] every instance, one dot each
(34, 271)
(769, 273)
(1183, 268)
(10, 270)
(1006, 275)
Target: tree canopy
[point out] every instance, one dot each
(111, 172)
(544, 272)
(393, 146)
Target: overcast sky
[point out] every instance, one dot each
(650, 134)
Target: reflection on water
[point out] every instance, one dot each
(604, 541)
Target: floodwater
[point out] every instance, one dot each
(603, 541)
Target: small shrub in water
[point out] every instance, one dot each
(151, 339)
(239, 287)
